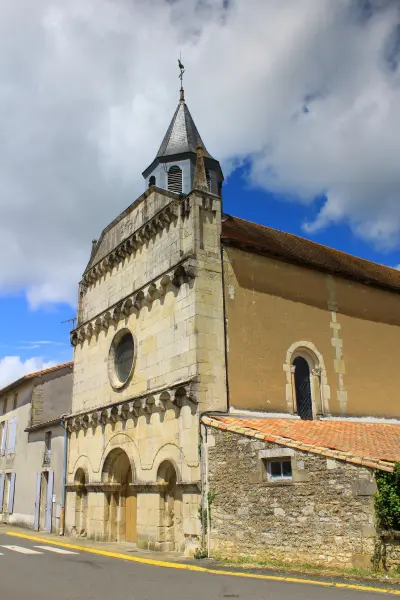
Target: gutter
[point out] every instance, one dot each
(64, 478)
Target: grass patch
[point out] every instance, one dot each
(305, 568)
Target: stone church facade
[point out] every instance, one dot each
(185, 313)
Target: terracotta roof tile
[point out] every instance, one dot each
(298, 250)
(376, 445)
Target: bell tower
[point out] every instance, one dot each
(174, 166)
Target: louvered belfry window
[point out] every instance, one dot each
(175, 179)
(208, 178)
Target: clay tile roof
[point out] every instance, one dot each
(295, 249)
(377, 444)
(35, 374)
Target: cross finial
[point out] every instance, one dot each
(182, 70)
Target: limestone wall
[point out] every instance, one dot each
(274, 308)
(178, 330)
(325, 515)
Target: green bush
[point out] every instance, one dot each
(387, 499)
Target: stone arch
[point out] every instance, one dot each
(319, 388)
(83, 462)
(171, 536)
(121, 440)
(120, 500)
(81, 502)
(172, 453)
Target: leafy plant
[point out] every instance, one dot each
(387, 499)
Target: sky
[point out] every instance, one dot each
(298, 99)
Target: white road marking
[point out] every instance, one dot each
(57, 550)
(22, 550)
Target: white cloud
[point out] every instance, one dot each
(87, 90)
(13, 367)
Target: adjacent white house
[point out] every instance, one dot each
(32, 447)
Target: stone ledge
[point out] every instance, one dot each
(148, 230)
(177, 394)
(183, 272)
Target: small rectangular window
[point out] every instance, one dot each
(15, 402)
(47, 449)
(278, 469)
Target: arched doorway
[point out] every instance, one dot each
(81, 503)
(170, 527)
(120, 500)
(303, 388)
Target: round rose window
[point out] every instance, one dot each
(121, 358)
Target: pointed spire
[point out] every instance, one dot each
(200, 179)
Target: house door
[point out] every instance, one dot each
(43, 500)
(130, 515)
(303, 388)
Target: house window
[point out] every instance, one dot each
(152, 181)
(4, 407)
(175, 179)
(278, 469)
(15, 402)
(47, 449)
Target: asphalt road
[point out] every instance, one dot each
(32, 570)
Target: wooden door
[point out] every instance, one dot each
(130, 515)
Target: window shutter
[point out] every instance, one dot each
(2, 482)
(12, 436)
(4, 440)
(11, 494)
(49, 501)
(37, 502)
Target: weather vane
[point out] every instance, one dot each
(182, 70)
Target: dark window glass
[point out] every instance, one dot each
(286, 468)
(276, 469)
(124, 357)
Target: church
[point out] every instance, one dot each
(235, 387)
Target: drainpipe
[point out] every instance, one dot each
(203, 430)
(64, 479)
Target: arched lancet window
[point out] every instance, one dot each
(175, 179)
(302, 386)
(208, 178)
(152, 181)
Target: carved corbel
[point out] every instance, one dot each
(73, 338)
(113, 414)
(145, 406)
(179, 276)
(105, 322)
(163, 283)
(150, 293)
(116, 313)
(190, 270)
(85, 421)
(127, 307)
(138, 300)
(123, 412)
(178, 396)
(94, 418)
(160, 401)
(133, 409)
(103, 416)
(77, 423)
(97, 325)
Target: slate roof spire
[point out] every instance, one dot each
(179, 151)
